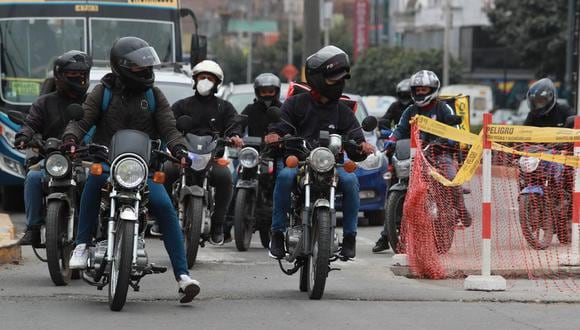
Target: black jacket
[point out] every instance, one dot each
(126, 110)
(47, 116)
(555, 118)
(310, 117)
(202, 109)
(393, 115)
(258, 120)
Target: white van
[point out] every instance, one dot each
(480, 99)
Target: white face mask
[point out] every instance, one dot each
(204, 87)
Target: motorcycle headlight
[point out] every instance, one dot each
(130, 173)
(248, 157)
(529, 164)
(322, 159)
(402, 167)
(199, 162)
(57, 165)
(372, 162)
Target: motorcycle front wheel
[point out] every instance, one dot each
(243, 226)
(121, 265)
(58, 247)
(394, 212)
(193, 213)
(318, 262)
(536, 225)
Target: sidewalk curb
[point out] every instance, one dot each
(562, 272)
(10, 251)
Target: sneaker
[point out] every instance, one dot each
(216, 235)
(228, 236)
(79, 257)
(188, 288)
(155, 231)
(277, 250)
(381, 245)
(348, 246)
(31, 236)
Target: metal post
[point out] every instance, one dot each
(570, 49)
(446, 31)
(311, 28)
(574, 255)
(290, 38)
(251, 46)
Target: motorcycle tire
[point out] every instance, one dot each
(58, 248)
(318, 262)
(394, 213)
(534, 222)
(304, 278)
(243, 224)
(121, 265)
(193, 213)
(564, 224)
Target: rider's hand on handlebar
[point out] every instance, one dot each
(367, 148)
(390, 145)
(236, 142)
(180, 153)
(69, 145)
(272, 138)
(21, 141)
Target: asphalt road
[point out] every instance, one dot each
(247, 290)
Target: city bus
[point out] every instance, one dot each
(34, 32)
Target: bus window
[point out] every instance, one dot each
(28, 49)
(158, 34)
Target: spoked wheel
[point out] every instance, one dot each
(394, 211)
(193, 213)
(121, 265)
(318, 263)
(58, 247)
(535, 222)
(243, 226)
(443, 225)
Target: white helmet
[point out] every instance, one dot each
(424, 78)
(209, 67)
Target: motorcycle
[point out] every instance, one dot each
(311, 241)
(401, 160)
(544, 200)
(62, 185)
(118, 257)
(192, 193)
(253, 194)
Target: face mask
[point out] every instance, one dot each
(267, 100)
(333, 92)
(204, 87)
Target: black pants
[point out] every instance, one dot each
(220, 178)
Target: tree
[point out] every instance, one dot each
(232, 61)
(535, 32)
(379, 70)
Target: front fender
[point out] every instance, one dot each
(196, 191)
(247, 184)
(58, 196)
(535, 190)
(399, 186)
(129, 214)
(321, 203)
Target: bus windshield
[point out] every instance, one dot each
(105, 31)
(28, 48)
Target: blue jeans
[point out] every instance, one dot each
(160, 206)
(33, 196)
(347, 184)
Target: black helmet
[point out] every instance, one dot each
(542, 97)
(73, 60)
(133, 52)
(267, 80)
(328, 63)
(404, 91)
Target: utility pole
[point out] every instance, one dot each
(311, 28)
(251, 38)
(570, 49)
(446, 37)
(291, 37)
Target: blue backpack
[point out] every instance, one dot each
(107, 94)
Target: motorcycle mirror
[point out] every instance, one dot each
(184, 123)
(570, 122)
(16, 116)
(369, 123)
(75, 111)
(274, 113)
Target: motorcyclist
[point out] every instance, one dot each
(132, 61)
(544, 110)
(267, 92)
(326, 73)
(47, 117)
(395, 110)
(211, 114)
(424, 91)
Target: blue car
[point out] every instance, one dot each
(11, 166)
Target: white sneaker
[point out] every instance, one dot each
(79, 257)
(188, 288)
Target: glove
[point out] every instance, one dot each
(390, 145)
(180, 152)
(21, 140)
(69, 144)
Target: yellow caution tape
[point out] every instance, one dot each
(569, 160)
(434, 127)
(510, 133)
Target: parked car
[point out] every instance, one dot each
(377, 105)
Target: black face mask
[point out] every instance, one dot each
(267, 100)
(332, 92)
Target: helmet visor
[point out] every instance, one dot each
(539, 101)
(143, 57)
(338, 75)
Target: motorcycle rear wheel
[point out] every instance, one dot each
(193, 213)
(58, 248)
(121, 265)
